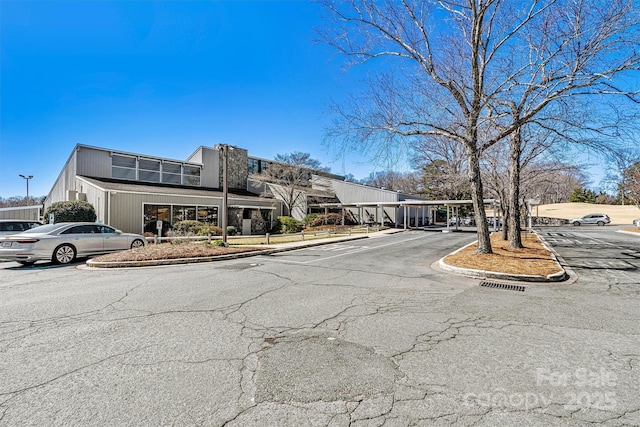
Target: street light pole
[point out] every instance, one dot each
(225, 191)
(27, 178)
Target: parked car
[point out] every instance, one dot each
(598, 218)
(13, 226)
(62, 243)
(636, 222)
(497, 221)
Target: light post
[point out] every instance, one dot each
(27, 178)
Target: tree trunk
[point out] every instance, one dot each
(484, 241)
(515, 149)
(506, 214)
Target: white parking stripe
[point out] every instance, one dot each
(356, 249)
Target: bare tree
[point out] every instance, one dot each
(289, 178)
(443, 164)
(16, 201)
(619, 162)
(477, 71)
(632, 183)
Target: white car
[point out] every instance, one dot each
(13, 226)
(636, 222)
(597, 218)
(62, 243)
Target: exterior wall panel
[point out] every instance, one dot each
(93, 162)
(211, 168)
(65, 182)
(349, 192)
(32, 213)
(97, 198)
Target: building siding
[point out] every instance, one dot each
(93, 162)
(32, 213)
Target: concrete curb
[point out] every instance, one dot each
(176, 261)
(560, 276)
(628, 232)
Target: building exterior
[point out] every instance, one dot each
(133, 192)
(148, 194)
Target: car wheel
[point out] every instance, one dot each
(576, 223)
(600, 223)
(26, 263)
(64, 254)
(137, 244)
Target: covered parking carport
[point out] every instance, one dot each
(421, 211)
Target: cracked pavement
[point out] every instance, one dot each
(361, 333)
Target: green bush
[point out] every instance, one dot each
(209, 230)
(231, 230)
(186, 227)
(309, 218)
(197, 228)
(216, 243)
(72, 211)
(289, 225)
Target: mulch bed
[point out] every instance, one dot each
(534, 259)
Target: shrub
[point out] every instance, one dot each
(289, 225)
(329, 219)
(192, 227)
(72, 211)
(208, 229)
(216, 243)
(309, 218)
(186, 227)
(231, 230)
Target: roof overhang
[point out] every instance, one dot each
(408, 203)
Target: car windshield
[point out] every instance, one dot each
(43, 229)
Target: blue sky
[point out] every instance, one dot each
(162, 78)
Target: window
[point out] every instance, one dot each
(171, 173)
(149, 170)
(208, 214)
(191, 175)
(106, 230)
(82, 229)
(155, 213)
(254, 166)
(183, 213)
(123, 167)
(170, 214)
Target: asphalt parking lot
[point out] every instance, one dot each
(364, 333)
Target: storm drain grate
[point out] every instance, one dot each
(502, 286)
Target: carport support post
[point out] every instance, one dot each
(448, 217)
(225, 193)
(405, 216)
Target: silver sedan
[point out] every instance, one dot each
(62, 243)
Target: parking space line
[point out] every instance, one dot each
(357, 250)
